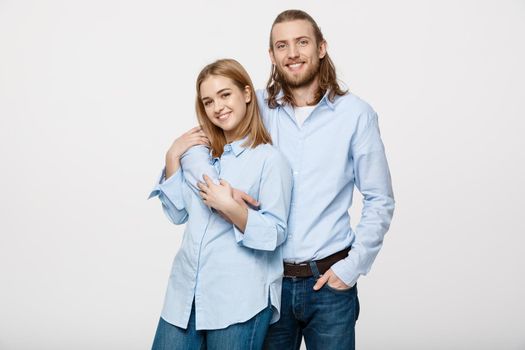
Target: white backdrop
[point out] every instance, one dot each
(93, 92)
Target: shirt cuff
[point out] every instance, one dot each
(341, 270)
(170, 187)
(258, 233)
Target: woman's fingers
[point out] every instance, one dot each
(207, 179)
(203, 187)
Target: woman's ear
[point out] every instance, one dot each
(247, 94)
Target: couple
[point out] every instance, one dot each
(293, 152)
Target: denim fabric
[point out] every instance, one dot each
(326, 318)
(247, 335)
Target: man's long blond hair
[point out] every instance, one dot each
(327, 74)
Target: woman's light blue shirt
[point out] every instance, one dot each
(231, 275)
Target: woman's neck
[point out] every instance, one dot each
(231, 136)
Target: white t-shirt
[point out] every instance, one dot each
(301, 113)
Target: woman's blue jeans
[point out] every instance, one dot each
(247, 335)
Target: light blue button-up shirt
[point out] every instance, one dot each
(231, 275)
(338, 147)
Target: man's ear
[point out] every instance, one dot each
(322, 49)
(270, 53)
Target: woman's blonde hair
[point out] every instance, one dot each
(251, 125)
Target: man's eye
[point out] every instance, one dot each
(280, 46)
(303, 42)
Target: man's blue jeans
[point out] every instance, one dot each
(326, 318)
(248, 335)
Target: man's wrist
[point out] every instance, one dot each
(339, 271)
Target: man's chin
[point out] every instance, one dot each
(297, 82)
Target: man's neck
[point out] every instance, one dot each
(306, 95)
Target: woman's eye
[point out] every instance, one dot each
(207, 103)
(226, 95)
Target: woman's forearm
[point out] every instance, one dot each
(237, 214)
(172, 165)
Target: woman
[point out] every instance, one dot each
(225, 285)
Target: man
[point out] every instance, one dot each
(331, 139)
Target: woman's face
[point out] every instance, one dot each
(225, 103)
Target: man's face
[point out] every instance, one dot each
(295, 52)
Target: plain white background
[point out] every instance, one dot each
(92, 93)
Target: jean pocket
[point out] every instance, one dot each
(339, 291)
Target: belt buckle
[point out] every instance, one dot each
(292, 265)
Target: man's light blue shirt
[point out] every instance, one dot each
(338, 147)
(230, 275)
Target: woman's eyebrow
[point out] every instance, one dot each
(218, 92)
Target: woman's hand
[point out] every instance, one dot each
(218, 197)
(193, 137)
(221, 198)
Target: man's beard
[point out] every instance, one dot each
(300, 81)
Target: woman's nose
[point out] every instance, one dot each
(219, 106)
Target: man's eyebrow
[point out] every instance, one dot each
(294, 39)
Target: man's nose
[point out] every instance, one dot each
(293, 52)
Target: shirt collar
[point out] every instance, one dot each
(325, 99)
(236, 147)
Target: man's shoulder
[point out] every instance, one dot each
(261, 93)
(353, 103)
(262, 96)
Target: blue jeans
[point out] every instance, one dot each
(247, 335)
(326, 318)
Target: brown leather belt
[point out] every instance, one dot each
(304, 270)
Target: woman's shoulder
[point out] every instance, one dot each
(271, 155)
(265, 149)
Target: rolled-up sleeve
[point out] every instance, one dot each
(195, 163)
(266, 227)
(170, 193)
